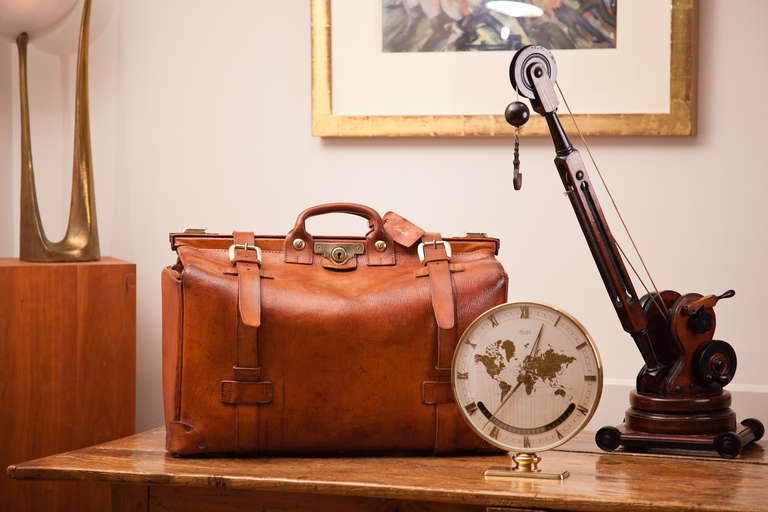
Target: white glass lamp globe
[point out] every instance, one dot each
(31, 16)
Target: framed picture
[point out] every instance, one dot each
(437, 68)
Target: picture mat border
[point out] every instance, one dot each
(680, 120)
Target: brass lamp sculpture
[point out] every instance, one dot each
(81, 240)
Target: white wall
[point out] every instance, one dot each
(201, 118)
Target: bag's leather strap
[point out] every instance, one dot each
(436, 259)
(248, 267)
(246, 393)
(435, 255)
(245, 256)
(437, 262)
(246, 389)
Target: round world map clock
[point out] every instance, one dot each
(527, 377)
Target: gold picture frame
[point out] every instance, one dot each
(679, 120)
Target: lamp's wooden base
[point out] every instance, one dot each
(67, 371)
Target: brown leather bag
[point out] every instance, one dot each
(309, 345)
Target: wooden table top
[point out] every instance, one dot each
(599, 481)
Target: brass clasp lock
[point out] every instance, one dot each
(339, 253)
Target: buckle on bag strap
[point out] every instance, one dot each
(437, 264)
(246, 247)
(245, 255)
(433, 244)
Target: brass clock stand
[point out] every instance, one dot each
(525, 465)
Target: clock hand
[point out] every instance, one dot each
(535, 344)
(530, 356)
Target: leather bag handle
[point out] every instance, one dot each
(299, 245)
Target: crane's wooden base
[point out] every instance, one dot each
(677, 423)
(727, 443)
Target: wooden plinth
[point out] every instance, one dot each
(704, 404)
(704, 424)
(67, 370)
(682, 424)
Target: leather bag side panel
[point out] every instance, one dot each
(209, 332)
(483, 286)
(171, 328)
(178, 438)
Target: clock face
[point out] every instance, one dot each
(526, 376)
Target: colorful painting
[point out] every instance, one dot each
(486, 25)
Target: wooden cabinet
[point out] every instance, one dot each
(67, 370)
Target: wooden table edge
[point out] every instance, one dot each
(31, 470)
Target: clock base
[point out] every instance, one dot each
(526, 465)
